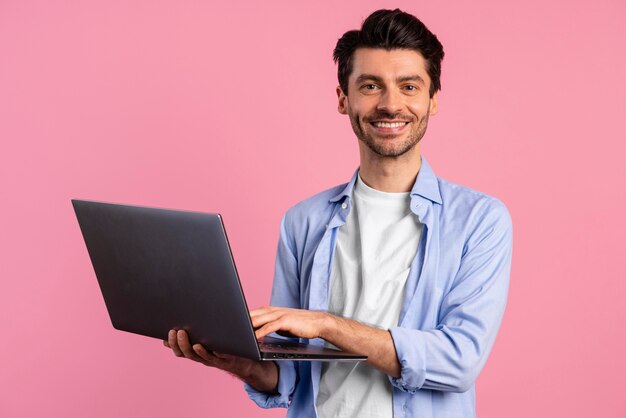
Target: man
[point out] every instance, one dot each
(397, 264)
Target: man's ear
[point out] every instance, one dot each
(342, 98)
(433, 105)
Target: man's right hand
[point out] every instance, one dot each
(261, 375)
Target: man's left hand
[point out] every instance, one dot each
(299, 323)
(344, 333)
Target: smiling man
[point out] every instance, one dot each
(397, 264)
(390, 102)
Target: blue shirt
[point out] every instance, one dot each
(453, 302)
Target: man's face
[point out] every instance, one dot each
(388, 101)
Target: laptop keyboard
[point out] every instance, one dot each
(290, 347)
(296, 351)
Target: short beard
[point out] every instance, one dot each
(415, 136)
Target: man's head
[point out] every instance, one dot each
(388, 82)
(390, 29)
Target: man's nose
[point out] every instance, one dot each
(390, 101)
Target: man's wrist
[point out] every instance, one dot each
(263, 376)
(250, 370)
(329, 326)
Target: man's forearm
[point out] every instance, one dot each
(353, 336)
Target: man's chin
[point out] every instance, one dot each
(389, 150)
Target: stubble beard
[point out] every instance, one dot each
(385, 149)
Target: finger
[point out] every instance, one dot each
(173, 344)
(262, 319)
(185, 345)
(263, 310)
(203, 353)
(286, 334)
(267, 329)
(222, 356)
(165, 343)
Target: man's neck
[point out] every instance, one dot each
(390, 174)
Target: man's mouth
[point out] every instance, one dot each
(397, 124)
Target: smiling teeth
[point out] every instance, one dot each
(389, 125)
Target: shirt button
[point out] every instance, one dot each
(344, 205)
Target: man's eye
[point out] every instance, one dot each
(370, 87)
(410, 87)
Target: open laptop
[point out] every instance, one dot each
(164, 269)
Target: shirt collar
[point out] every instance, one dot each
(426, 185)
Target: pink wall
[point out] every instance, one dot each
(231, 108)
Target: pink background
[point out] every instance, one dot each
(231, 107)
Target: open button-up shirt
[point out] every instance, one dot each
(453, 302)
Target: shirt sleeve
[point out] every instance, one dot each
(285, 293)
(449, 357)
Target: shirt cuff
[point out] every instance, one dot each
(411, 352)
(286, 385)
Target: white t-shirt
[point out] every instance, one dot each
(372, 259)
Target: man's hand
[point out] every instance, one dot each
(179, 342)
(289, 322)
(344, 333)
(261, 375)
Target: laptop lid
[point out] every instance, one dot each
(162, 269)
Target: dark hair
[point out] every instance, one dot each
(390, 29)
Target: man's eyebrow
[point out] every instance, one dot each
(368, 77)
(371, 77)
(413, 77)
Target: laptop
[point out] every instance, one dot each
(162, 269)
